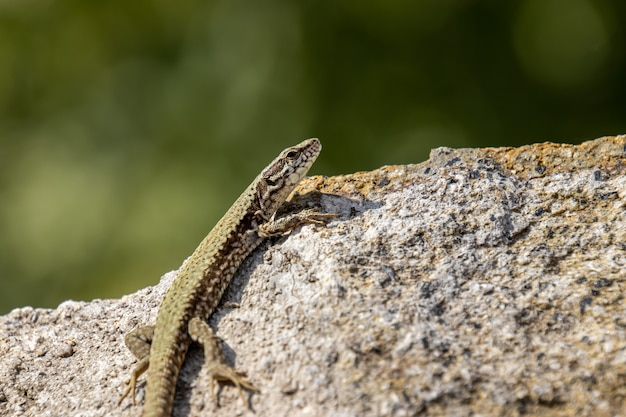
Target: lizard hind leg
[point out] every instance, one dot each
(138, 342)
(217, 369)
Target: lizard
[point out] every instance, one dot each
(202, 279)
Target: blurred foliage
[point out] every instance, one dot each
(128, 128)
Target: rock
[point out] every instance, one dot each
(481, 282)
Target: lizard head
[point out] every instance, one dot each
(280, 177)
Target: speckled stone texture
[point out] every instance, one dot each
(483, 282)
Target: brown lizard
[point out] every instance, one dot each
(205, 275)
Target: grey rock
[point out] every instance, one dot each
(481, 282)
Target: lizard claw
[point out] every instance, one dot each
(221, 372)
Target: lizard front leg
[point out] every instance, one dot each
(287, 223)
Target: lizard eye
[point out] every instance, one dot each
(291, 154)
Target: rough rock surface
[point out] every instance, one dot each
(481, 282)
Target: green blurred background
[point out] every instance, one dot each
(128, 128)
